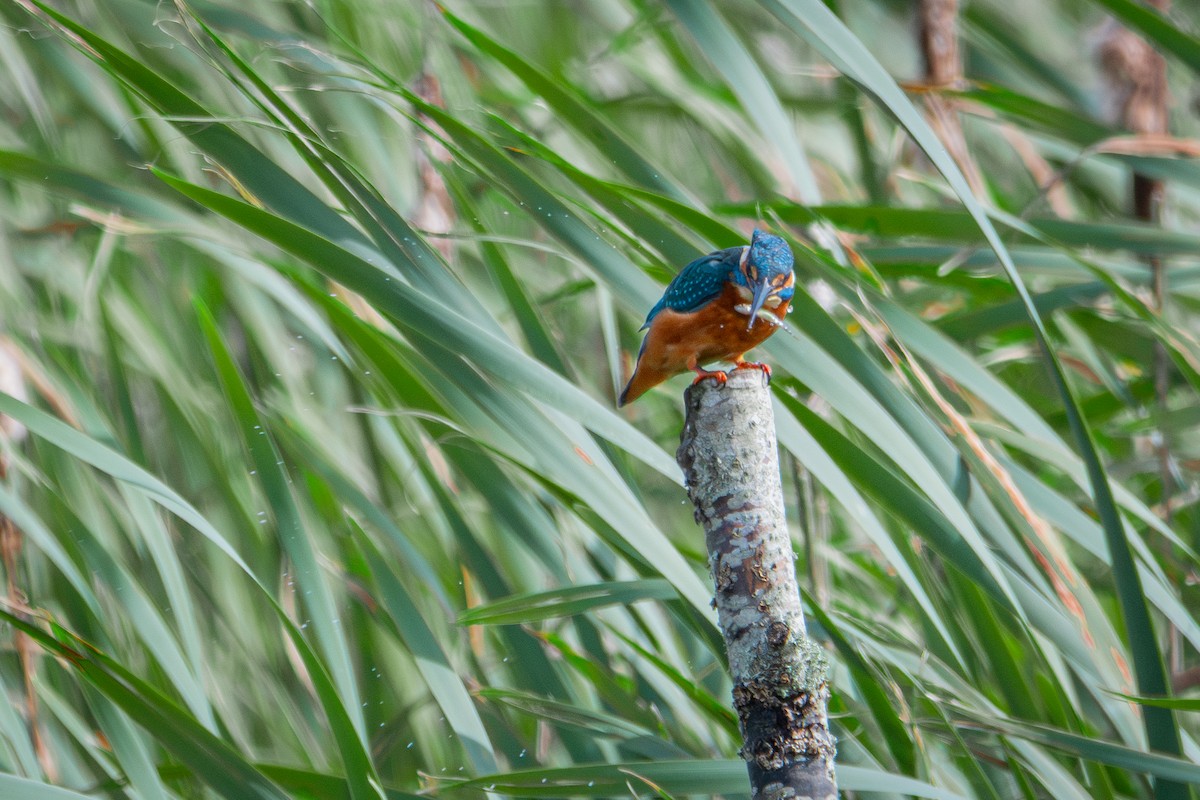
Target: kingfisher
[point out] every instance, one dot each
(717, 308)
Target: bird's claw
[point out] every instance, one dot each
(720, 376)
(766, 370)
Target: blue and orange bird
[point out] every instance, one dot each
(717, 308)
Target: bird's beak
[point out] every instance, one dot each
(762, 290)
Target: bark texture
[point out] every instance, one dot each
(728, 455)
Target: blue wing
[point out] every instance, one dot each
(698, 283)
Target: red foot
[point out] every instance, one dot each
(701, 374)
(766, 370)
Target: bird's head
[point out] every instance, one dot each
(766, 271)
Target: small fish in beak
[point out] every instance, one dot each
(762, 290)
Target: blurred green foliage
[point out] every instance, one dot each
(320, 310)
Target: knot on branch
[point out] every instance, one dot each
(779, 730)
(731, 468)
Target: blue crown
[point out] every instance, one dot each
(771, 255)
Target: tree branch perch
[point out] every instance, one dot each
(731, 467)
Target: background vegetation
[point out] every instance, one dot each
(319, 309)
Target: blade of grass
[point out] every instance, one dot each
(572, 109)
(27, 789)
(566, 602)
(130, 751)
(713, 708)
(61, 435)
(814, 21)
(941, 224)
(896, 735)
(427, 318)
(40, 536)
(211, 759)
(306, 784)
(596, 723)
(441, 678)
(261, 176)
(316, 595)
(760, 103)
(1161, 766)
(840, 484)
(706, 778)
(113, 463)
(1157, 28)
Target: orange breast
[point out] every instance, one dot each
(678, 342)
(713, 333)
